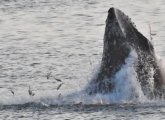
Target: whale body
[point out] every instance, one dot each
(120, 38)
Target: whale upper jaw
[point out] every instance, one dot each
(120, 26)
(117, 19)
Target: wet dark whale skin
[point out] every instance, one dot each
(120, 38)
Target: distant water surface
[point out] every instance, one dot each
(42, 41)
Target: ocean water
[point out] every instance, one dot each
(54, 47)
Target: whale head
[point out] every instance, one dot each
(120, 37)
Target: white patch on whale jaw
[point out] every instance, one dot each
(120, 24)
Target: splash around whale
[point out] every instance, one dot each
(128, 58)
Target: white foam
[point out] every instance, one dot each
(127, 90)
(127, 86)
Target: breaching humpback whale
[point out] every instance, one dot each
(120, 38)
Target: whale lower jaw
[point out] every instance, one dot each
(126, 81)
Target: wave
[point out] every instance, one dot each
(127, 90)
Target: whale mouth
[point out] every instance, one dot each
(120, 39)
